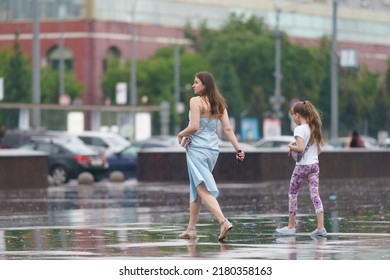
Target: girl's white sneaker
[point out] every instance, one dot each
(286, 230)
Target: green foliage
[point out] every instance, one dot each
(5, 53)
(50, 84)
(244, 50)
(115, 73)
(241, 70)
(386, 84)
(155, 80)
(15, 67)
(50, 94)
(242, 55)
(360, 90)
(73, 87)
(17, 75)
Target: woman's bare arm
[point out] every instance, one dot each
(194, 117)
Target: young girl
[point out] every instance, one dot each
(308, 132)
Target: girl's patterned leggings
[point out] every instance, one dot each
(309, 173)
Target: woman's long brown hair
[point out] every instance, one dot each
(217, 101)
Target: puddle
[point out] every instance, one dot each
(142, 221)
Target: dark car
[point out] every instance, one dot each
(68, 158)
(126, 159)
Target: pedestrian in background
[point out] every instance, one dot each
(3, 131)
(307, 133)
(202, 152)
(356, 141)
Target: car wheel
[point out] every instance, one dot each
(59, 174)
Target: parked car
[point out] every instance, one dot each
(227, 146)
(340, 142)
(126, 159)
(68, 158)
(281, 141)
(17, 137)
(104, 142)
(385, 143)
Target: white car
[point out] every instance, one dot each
(104, 142)
(281, 142)
(227, 146)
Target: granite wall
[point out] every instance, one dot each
(22, 169)
(262, 166)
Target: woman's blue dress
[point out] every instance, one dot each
(202, 154)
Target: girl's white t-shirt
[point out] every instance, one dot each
(311, 155)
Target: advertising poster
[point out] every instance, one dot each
(249, 130)
(272, 127)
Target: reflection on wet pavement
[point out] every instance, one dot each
(139, 220)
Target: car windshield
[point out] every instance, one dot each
(28, 146)
(72, 140)
(116, 141)
(77, 147)
(130, 150)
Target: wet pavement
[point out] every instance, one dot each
(133, 220)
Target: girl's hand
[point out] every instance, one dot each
(292, 145)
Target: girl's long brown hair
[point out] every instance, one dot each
(217, 101)
(307, 110)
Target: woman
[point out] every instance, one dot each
(307, 134)
(202, 152)
(356, 141)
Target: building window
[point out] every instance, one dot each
(53, 57)
(112, 54)
(48, 9)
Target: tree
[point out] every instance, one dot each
(244, 50)
(17, 76)
(116, 73)
(155, 80)
(17, 80)
(50, 92)
(240, 55)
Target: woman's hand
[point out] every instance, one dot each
(240, 156)
(179, 138)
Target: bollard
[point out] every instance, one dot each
(50, 181)
(117, 176)
(85, 178)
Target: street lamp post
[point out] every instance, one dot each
(133, 58)
(277, 99)
(177, 86)
(36, 70)
(334, 79)
(133, 71)
(61, 49)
